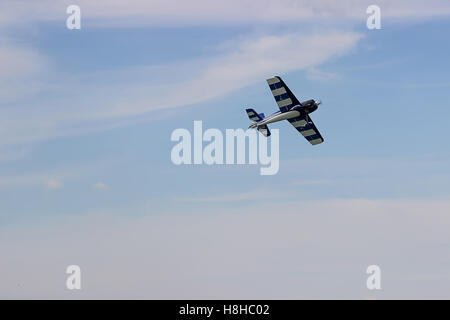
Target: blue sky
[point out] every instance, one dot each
(86, 176)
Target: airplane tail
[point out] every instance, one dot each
(264, 129)
(256, 117)
(252, 115)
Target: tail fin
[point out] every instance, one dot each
(254, 116)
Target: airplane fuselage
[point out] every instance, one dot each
(291, 109)
(305, 108)
(278, 116)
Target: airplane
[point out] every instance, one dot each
(292, 110)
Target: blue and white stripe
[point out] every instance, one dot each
(307, 129)
(280, 94)
(253, 115)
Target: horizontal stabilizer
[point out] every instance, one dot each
(264, 130)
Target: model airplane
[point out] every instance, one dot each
(291, 110)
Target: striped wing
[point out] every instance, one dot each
(307, 129)
(283, 96)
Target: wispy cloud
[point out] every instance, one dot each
(257, 195)
(50, 179)
(319, 75)
(16, 61)
(247, 62)
(101, 186)
(314, 182)
(20, 69)
(53, 184)
(216, 12)
(14, 153)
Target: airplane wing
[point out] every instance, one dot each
(307, 128)
(283, 96)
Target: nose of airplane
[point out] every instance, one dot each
(318, 102)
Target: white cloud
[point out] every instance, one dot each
(247, 62)
(26, 180)
(214, 12)
(17, 62)
(32, 180)
(314, 182)
(105, 105)
(15, 153)
(317, 249)
(251, 195)
(53, 184)
(20, 69)
(101, 186)
(51, 179)
(264, 57)
(319, 75)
